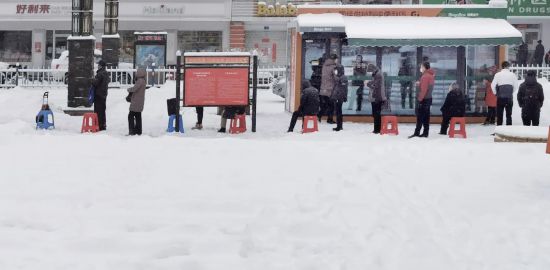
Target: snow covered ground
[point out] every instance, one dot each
(269, 201)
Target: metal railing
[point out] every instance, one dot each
(120, 78)
(521, 71)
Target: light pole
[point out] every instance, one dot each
(111, 38)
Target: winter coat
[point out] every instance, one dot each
(377, 91)
(522, 54)
(547, 58)
(327, 79)
(454, 105)
(340, 91)
(138, 91)
(427, 82)
(538, 56)
(101, 83)
(309, 101)
(530, 94)
(231, 111)
(359, 70)
(504, 84)
(490, 97)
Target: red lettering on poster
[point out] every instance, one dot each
(216, 86)
(32, 9)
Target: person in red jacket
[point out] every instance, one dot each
(490, 101)
(426, 85)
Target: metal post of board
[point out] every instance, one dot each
(178, 82)
(254, 90)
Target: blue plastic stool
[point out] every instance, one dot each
(172, 124)
(45, 123)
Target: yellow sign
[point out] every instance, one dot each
(276, 10)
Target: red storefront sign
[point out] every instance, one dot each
(33, 9)
(216, 86)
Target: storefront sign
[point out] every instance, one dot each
(216, 60)
(35, 9)
(277, 10)
(164, 10)
(528, 8)
(455, 11)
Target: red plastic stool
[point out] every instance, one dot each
(394, 130)
(90, 123)
(461, 133)
(305, 124)
(238, 124)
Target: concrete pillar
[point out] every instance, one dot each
(38, 48)
(171, 46)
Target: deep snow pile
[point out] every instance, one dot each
(270, 200)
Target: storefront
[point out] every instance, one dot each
(462, 43)
(262, 26)
(34, 32)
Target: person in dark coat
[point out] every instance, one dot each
(377, 96)
(339, 95)
(424, 98)
(530, 99)
(327, 85)
(309, 104)
(359, 70)
(522, 55)
(101, 86)
(229, 113)
(137, 100)
(316, 75)
(538, 56)
(406, 84)
(454, 106)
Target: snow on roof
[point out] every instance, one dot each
(217, 54)
(396, 27)
(428, 28)
(81, 38)
(111, 36)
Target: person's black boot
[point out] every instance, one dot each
(330, 121)
(414, 135)
(337, 129)
(425, 135)
(290, 130)
(221, 130)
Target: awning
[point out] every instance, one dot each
(417, 31)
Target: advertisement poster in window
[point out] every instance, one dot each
(146, 55)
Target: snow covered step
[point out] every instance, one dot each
(521, 134)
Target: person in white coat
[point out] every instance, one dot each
(504, 85)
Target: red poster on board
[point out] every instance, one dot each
(216, 86)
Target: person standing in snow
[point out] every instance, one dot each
(424, 98)
(538, 56)
(377, 96)
(137, 100)
(359, 70)
(200, 113)
(339, 95)
(530, 99)
(454, 106)
(504, 84)
(101, 86)
(547, 59)
(523, 52)
(490, 100)
(309, 104)
(327, 86)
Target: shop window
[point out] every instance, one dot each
(315, 50)
(16, 46)
(444, 62)
(351, 58)
(481, 63)
(200, 41)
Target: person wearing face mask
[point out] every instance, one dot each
(454, 106)
(424, 98)
(377, 96)
(327, 86)
(339, 94)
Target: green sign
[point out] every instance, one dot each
(528, 7)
